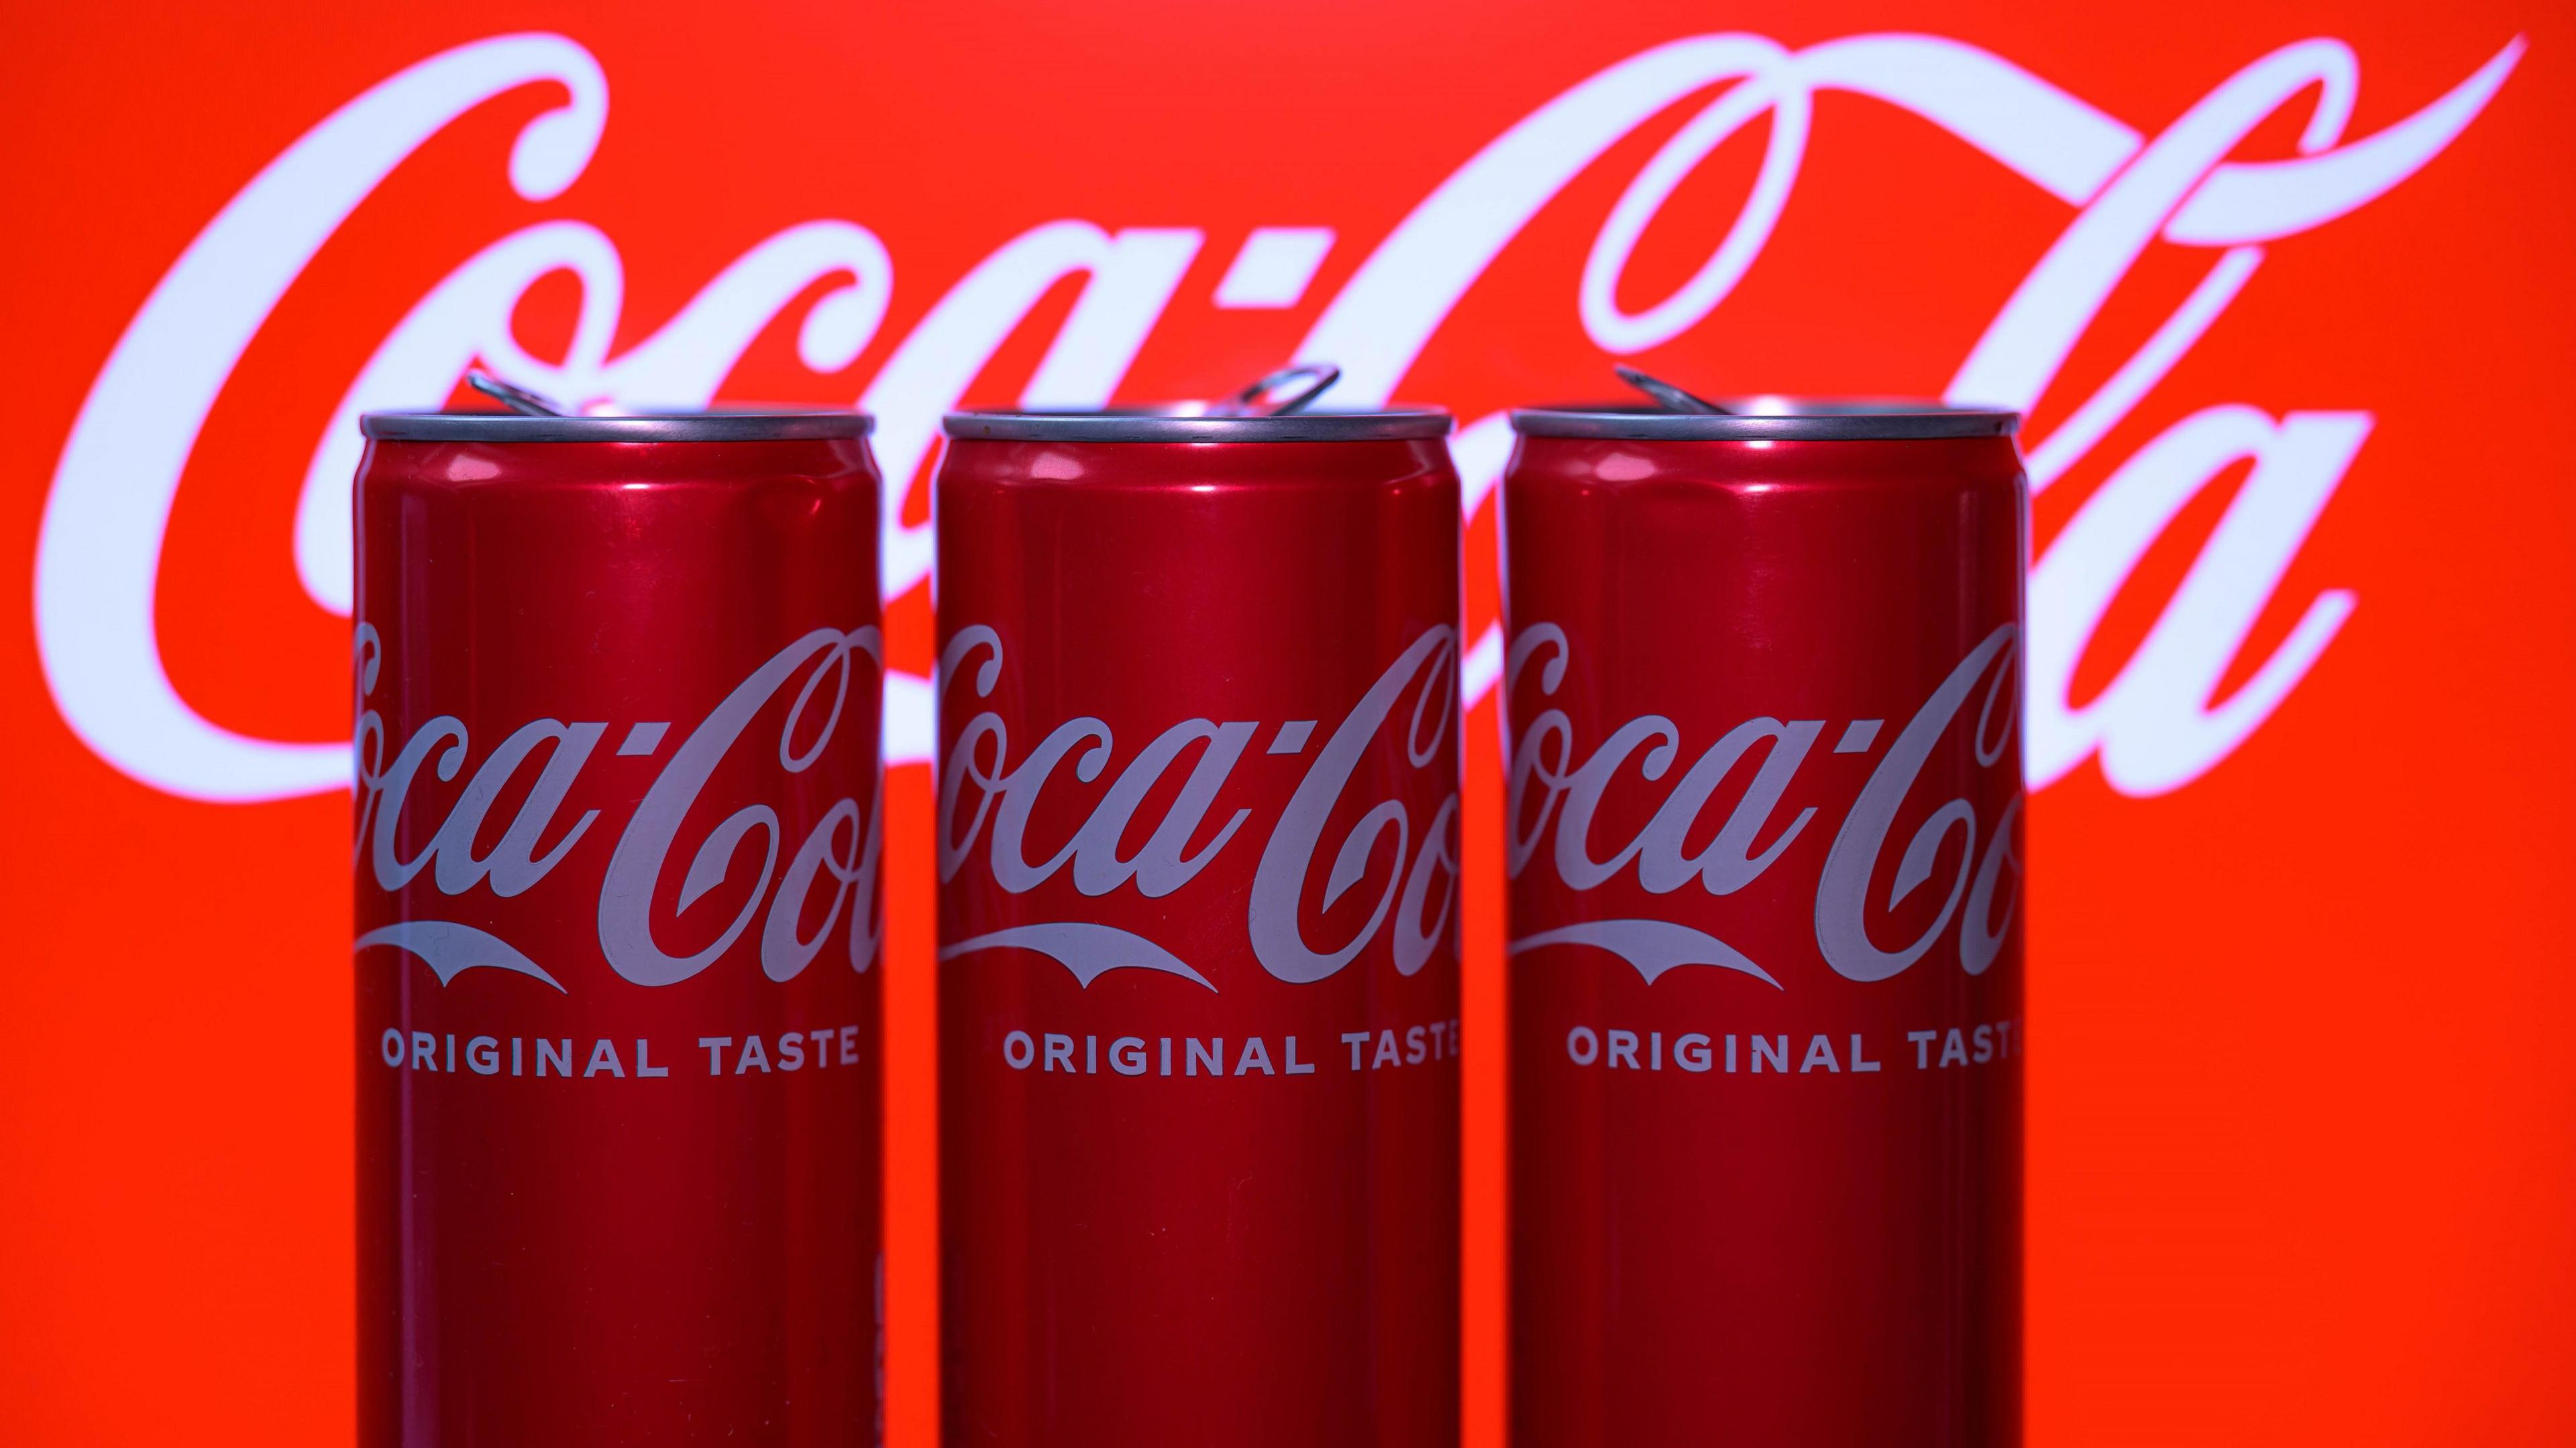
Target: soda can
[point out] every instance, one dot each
(1198, 993)
(1763, 836)
(618, 698)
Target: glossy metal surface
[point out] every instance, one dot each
(1199, 980)
(1769, 419)
(515, 427)
(1167, 426)
(1766, 940)
(616, 823)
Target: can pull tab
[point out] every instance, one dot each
(1669, 395)
(1281, 393)
(518, 399)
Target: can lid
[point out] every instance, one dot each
(1179, 424)
(1771, 419)
(723, 425)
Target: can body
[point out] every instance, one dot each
(1763, 835)
(1199, 974)
(618, 915)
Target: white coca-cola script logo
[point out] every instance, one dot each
(2157, 726)
(985, 797)
(838, 854)
(1553, 800)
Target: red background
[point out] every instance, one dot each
(2301, 1110)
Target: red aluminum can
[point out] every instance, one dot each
(1764, 844)
(1198, 994)
(618, 691)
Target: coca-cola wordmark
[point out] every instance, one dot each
(983, 782)
(2160, 725)
(839, 855)
(1557, 783)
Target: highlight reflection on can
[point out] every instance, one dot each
(1197, 834)
(618, 686)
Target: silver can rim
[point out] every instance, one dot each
(1147, 425)
(717, 426)
(1799, 419)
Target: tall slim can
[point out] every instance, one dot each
(617, 688)
(1764, 824)
(1198, 856)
